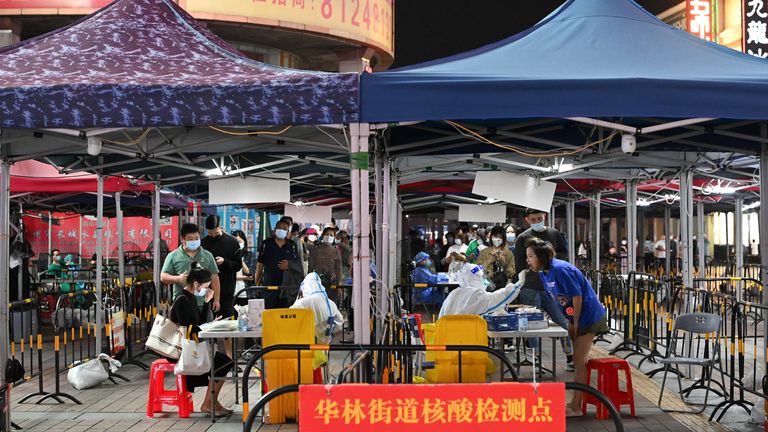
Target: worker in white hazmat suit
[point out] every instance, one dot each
(328, 319)
(471, 297)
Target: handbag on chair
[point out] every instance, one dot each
(165, 338)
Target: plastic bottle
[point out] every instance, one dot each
(522, 321)
(242, 322)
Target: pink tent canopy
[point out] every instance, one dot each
(39, 177)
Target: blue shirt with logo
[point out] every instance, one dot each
(564, 282)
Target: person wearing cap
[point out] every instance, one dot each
(533, 293)
(423, 274)
(325, 260)
(229, 260)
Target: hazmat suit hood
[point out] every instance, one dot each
(471, 297)
(328, 318)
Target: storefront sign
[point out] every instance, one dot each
(53, 4)
(755, 25)
(433, 408)
(369, 21)
(698, 18)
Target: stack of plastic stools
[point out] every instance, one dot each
(159, 396)
(608, 384)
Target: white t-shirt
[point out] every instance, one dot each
(661, 249)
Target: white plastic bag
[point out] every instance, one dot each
(91, 373)
(194, 359)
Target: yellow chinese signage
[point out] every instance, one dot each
(368, 21)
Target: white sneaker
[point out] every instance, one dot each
(570, 367)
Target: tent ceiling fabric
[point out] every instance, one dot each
(595, 58)
(139, 63)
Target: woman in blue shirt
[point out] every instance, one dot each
(571, 290)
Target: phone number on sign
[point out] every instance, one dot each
(371, 15)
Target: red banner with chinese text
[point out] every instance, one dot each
(433, 407)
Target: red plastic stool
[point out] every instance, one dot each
(159, 396)
(608, 384)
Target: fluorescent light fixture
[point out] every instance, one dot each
(565, 167)
(722, 190)
(642, 202)
(490, 200)
(751, 206)
(218, 172)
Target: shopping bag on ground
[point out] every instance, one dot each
(194, 358)
(91, 373)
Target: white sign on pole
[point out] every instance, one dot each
(494, 213)
(515, 189)
(309, 214)
(249, 190)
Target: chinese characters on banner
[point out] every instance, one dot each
(433, 408)
(66, 233)
(755, 25)
(698, 18)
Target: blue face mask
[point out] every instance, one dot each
(202, 292)
(538, 227)
(428, 263)
(511, 237)
(193, 244)
(281, 234)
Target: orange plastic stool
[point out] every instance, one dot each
(159, 396)
(608, 384)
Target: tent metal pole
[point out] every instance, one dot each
(80, 241)
(156, 242)
(361, 292)
(631, 222)
(763, 222)
(700, 239)
(667, 228)
(686, 222)
(570, 221)
(738, 242)
(50, 237)
(394, 221)
(99, 263)
(379, 239)
(386, 223)
(120, 246)
(597, 223)
(5, 203)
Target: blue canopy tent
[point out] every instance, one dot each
(562, 93)
(595, 58)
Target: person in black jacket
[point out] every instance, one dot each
(185, 312)
(229, 259)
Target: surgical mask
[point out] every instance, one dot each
(242, 244)
(511, 237)
(472, 236)
(329, 239)
(496, 242)
(201, 293)
(193, 244)
(538, 227)
(458, 242)
(428, 263)
(281, 234)
(312, 238)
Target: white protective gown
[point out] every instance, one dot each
(471, 298)
(313, 296)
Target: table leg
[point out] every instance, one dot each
(234, 368)
(554, 360)
(213, 382)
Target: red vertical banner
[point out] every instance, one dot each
(433, 408)
(698, 18)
